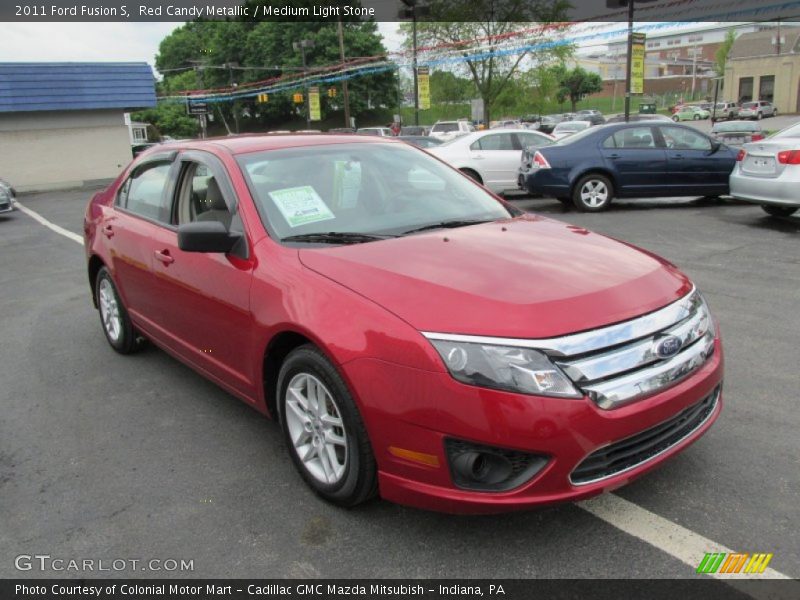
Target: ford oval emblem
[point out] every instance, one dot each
(668, 346)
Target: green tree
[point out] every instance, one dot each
(576, 84)
(168, 117)
(448, 87)
(491, 22)
(721, 55)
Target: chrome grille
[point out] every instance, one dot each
(629, 369)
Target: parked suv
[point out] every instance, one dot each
(725, 110)
(757, 110)
(447, 130)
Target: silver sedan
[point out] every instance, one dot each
(6, 197)
(767, 172)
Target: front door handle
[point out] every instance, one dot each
(477, 156)
(108, 231)
(164, 257)
(613, 156)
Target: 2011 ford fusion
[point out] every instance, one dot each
(415, 336)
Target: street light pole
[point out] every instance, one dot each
(302, 45)
(412, 11)
(629, 63)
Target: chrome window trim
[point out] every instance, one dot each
(715, 402)
(595, 339)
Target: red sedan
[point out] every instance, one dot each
(415, 336)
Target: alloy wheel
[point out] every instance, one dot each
(594, 193)
(316, 428)
(109, 310)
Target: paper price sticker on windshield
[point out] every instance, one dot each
(301, 205)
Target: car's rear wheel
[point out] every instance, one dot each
(775, 113)
(779, 211)
(696, 117)
(592, 193)
(472, 175)
(323, 429)
(117, 326)
(675, 118)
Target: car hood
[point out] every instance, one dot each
(527, 277)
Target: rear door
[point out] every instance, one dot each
(203, 299)
(693, 165)
(497, 156)
(637, 160)
(140, 210)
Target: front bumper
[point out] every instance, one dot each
(777, 191)
(418, 410)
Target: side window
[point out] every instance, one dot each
(497, 141)
(678, 138)
(143, 192)
(200, 197)
(633, 137)
(531, 139)
(609, 142)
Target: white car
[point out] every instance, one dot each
(490, 157)
(379, 131)
(448, 130)
(6, 197)
(566, 128)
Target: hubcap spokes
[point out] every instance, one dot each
(594, 193)
(109, 310)
(316, 428)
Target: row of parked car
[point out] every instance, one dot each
(755, 110)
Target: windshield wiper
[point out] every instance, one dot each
(336, 237)
(448, 225)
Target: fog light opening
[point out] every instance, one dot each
(485, 468)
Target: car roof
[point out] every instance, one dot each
(242, 144)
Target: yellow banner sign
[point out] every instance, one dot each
(637, 63)
(424, 87)
(315, 114)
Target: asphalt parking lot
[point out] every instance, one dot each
(108, 456)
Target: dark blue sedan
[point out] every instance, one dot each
(629, 160)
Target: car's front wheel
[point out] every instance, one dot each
(696, 117)
(117, 325)
(676, 118)
(592, 193)
(779, 211)
(323, 429)
(759, 116)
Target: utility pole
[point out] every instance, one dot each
(629, 63)
(302, 45)
(411, 11)
(234, 103)
(198, 70)
(345, 91)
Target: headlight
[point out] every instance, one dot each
(505, 368)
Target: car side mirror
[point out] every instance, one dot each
(715, 145)
(206, 236)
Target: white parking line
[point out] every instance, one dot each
(681, 543)
(49, 224)
(685, 545)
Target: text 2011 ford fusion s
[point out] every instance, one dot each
(415, 337)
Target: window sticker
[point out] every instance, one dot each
(301, 205)
(347, 183)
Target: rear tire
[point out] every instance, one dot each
(696, 117)
(324, 433)
(675, 118)
(592, 193)
(117, 326)
(779, 211)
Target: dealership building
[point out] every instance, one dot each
(63, 124)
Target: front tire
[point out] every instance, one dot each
(323, 429)
(696, 117)
(593, 193)
(117, 326)
(779, 211)
(675, 118)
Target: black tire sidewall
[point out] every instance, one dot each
(779, 211)
(360, 467)
(126, 343)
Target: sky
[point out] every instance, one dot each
(75, 42)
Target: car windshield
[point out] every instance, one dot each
(445, 127)
(577, 137)
(734, 126)
(372, 188)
